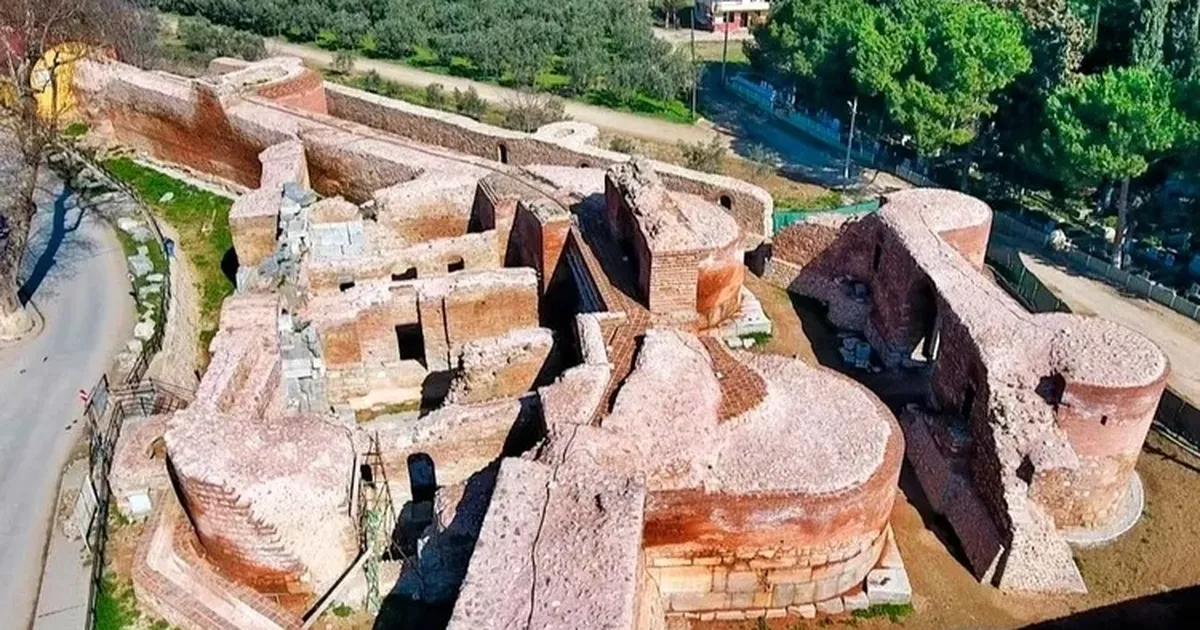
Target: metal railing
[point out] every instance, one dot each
(108, 407)
(784, 218)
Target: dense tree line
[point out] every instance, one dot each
(584, 45)
(1095, 98)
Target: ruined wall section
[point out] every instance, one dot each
(749, 205)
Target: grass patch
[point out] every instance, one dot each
(760, 338)
(202, 221)
(824, 201)
(370, 413)
(341, 610)
(116, 607)
(75, 129)
(894, 612)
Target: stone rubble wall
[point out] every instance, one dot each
(769, 579)
(499, 367)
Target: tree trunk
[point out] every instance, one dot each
(1122, 219)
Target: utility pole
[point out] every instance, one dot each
(850, 138)
(695, 74)
(724, 53)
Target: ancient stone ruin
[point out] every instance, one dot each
(532, 349)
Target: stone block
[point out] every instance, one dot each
(670, 562)
(742, 582)
(783, 595)
(856, 600)
(790, 576)
(832, 606)
(684, 579)
(890, 557)
(776, 613)
(730, 615)
(889, 586)
(807, 611)
(694, 602)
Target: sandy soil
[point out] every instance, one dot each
(1177, 335)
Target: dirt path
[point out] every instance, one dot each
(1177, 335)
(625, 123)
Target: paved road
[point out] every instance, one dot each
(83, 292)
(1177, 335)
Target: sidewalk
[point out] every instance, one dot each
(63, 598)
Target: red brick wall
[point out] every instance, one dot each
(489, 312)
(306, 92)
(243, 548)
(205, 141)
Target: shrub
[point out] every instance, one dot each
(343, 61)
(200, 35)
(704, 156)
(762, 160)
(469, 103)
(372, 82)
(621, 144)
(530, 110)
(435, 95)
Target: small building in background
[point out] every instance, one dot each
(730, 15)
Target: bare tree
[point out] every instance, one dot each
(32, 35)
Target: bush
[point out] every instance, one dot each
(435, 95)
(621, 144)
(200, 35)
(343, 61)
(704, 156)
(469, 103)
(372, 82)
(530, 110)
(762, 160)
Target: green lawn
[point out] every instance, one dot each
(202, 221)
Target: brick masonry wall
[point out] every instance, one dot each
(245, 549)
(306, 92)
(673, 288)
(711, 551)
(171, 580)
(1106, 427)
(489, 311)
(750, 206)
(194, 133)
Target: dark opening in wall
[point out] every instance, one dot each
(1051, 388)
(456, 264)
(877, 257)
(409, 274)
(1103, 421)
(346, 285)
(726, 202)
(584, 165)
(411, 342)
(968, 402)
(502, 153)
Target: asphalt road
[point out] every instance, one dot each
(78, 280)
